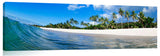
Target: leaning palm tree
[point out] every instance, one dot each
(61, 25)
(114, 16)
(68, 24)
(127, 16)
(103, 21)
(85, 24)
(82, 23)
(121, 12)
(134, 16)
(141, 18)
(75, 22)
(72, 21)
(50, 25)
(94, 18)
(112, 24)
(106, 20)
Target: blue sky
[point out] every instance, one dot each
(45, 13)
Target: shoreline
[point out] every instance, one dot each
(121, 32)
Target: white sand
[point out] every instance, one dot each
(128, 32)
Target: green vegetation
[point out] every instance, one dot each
(138, 22)
(68, 25)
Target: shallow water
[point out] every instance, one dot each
(18, 36)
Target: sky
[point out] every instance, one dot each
(45, 13)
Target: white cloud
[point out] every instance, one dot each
(110, 15)
(118, 16)
(144, 10)
(109, 7)
(93, 23)
(105, 15)
(85, 21)
(150, 9)
(97, 6)
(74, 7)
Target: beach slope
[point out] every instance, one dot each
(127, 32)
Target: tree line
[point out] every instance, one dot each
(140, 21)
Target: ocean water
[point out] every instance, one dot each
(19, 36)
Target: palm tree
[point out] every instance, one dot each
(121, 12)
(134, 16)
(141, 16)
(61, 25)
(85, 24)
(50, 25)
(82, 23)
(103, 21)
(114, 16)
(94, 18)
(72, 21)
(112, 24)
(75, 22)
(142, 19)
(68, 24)
(127, 16)
(65, 25)
(106, 20)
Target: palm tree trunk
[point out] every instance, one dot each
(128, 23)
(121, 23)
(107, 26)
(116, 25)
(134, 24)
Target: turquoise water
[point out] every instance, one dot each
(18, 36)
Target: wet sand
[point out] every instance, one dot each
(124, 41)
(126, 38)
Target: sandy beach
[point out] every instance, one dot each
(142, 32)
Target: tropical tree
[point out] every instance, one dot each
(94, 18)
(145, 21)
(49, 25)
(106, 20)
(148, 22)
(82, 23)
(72, 21)
(141, 18)
(68, 24)
(121, 12)
(114, 16)
(134, 16)
(127, 16)
(103, 21)
(65, 25)
(85, 24)
(61, 25)
(112, 24)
